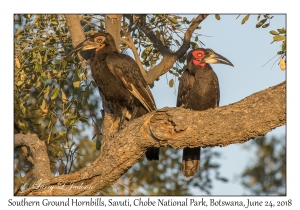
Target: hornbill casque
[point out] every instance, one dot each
(198, 90)
(119, 79)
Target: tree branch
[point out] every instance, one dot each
(188, 34)
(253, 116)
(39, 154)
(113, 26)
(141, 23)
(75, 29)
(168, 58)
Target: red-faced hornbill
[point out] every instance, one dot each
(198, 90)
(120, 81)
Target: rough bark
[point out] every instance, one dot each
(113, 26)
(75, 29)
(253, 116)
(39, 153)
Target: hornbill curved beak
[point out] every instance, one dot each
(215, 58)
(85, 45)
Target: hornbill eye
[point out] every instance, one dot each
(99, 40)
(199, 54)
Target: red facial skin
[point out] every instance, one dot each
(198, 55)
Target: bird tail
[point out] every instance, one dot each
(152, 154)
(190, 161)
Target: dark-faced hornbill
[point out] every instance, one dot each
(198, 90)
(119, 79)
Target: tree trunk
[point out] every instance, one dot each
(113, 26)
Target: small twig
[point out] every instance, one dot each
(269, 61)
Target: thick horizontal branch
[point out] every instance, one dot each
(253, 116)
(249, 118)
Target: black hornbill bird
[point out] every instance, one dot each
(198, 90)
(119, 79)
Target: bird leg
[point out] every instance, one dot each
(124, 115)
(134, 111)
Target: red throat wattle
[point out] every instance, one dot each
(198, 55)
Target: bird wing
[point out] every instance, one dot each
(186, 83)
(126, 69)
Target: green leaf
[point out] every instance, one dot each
(274, 32)
(278, 38)
(260, 23)
(281, 31)
(76, 81)
(194, 45)
(258, 17)
(266, 25)
(196, 38)
(171, 83)
(72, 121)
(283, 48)
(23, 109)
(19, 83)
(17, 63)
(42, 79)
(37, 67)
(18, 31)
(245, 18)
(217, 16)
(173, 20)
(44, 104)
(94, 83)
(46, 92)
(55, 93)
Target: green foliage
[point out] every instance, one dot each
(278, 36)
(260, 23)
(245, 18)
(267, 174)
(53, 94)
(217, 16)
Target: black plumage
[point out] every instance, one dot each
(198, 90)
(119, 79)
